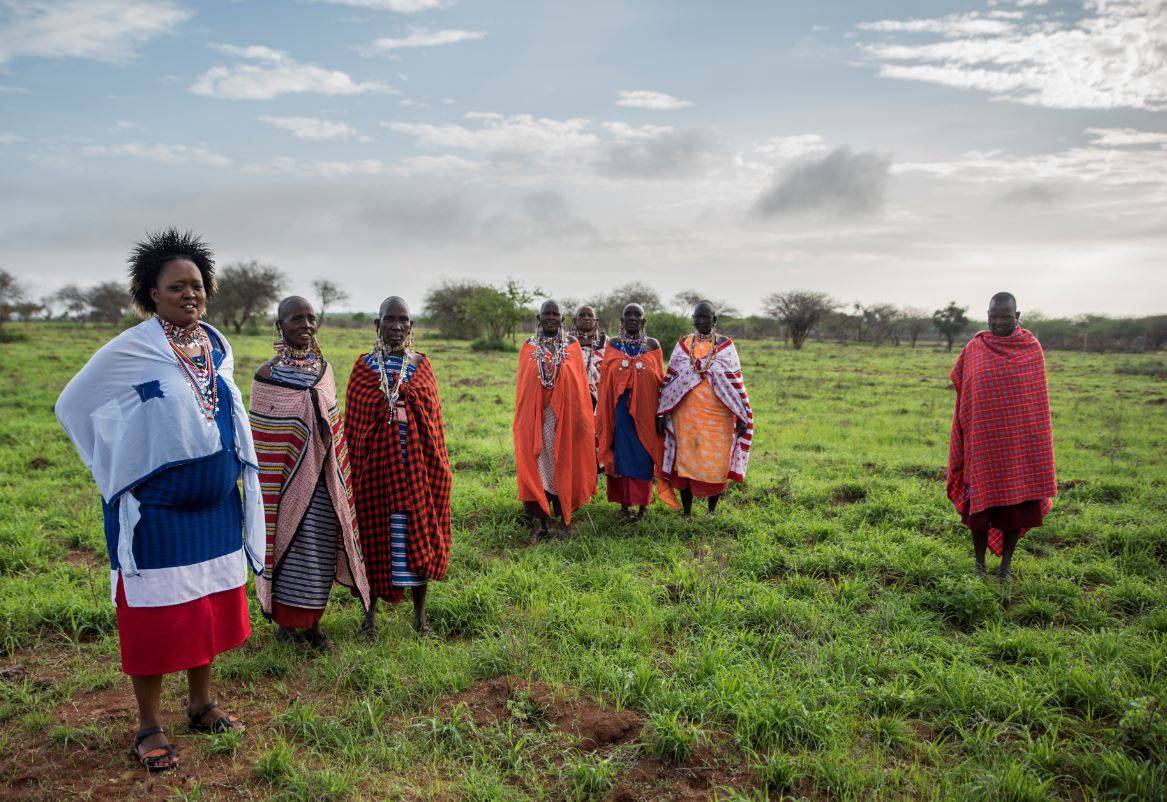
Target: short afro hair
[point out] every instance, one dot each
(153, 252)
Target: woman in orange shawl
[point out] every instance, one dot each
(555, 434)
(629, 431)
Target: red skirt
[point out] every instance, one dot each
(698, 488)
(1026, 515)
(290, 617)
(162, 640)
(633, 492)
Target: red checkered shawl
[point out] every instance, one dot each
(384, 483)
(1001, 448)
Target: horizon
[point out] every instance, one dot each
(887, 151)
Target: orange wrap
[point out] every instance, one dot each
(645, 384)
(575, 433)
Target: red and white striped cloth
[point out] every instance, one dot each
(725, 377)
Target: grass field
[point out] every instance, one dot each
(821, 637)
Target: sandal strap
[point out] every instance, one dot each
(146, 733)
(197, 718)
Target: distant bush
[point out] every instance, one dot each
(487, 344)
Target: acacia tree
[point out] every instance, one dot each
(107, 302)
(799, 311)
(330, 294)
(74, 302)
(610, 306)
(246, 289)
(684, 301)
(12, 295)
(950, 321)
(915, 321)
(883, 323)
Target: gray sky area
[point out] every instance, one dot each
(884, 150)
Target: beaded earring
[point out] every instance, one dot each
(409, 343)
(279, 341)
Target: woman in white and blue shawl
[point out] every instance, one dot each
(157, 418)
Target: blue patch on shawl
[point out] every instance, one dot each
(148, 390)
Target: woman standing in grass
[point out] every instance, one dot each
(709, 423)
(627, 426)
(304, 472)
(554, 426)
(401, 472)
(157, 418)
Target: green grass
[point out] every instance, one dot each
(823, 635)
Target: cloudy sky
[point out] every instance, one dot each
(912, 151)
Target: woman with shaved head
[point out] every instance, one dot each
(401, 472)
(303, 462)
(554, 427)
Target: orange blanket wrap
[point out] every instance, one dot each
(575, 433)
(619, 372)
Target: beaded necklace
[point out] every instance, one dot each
(701, 366)
(394, 392)
(201, 378)
(638, 341)
(548, 362)
(300, 358)
(588, 343)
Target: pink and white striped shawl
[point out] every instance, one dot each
(725, 377)
(297, 434)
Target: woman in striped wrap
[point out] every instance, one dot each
(303, 462)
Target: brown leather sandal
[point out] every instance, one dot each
(160, 758)
(224, 723)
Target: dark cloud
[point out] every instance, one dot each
(842, 182)
(675, 154)
(1033, 195)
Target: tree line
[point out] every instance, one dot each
(492, 316)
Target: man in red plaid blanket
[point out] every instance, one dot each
(1000, 455)
(401, 476)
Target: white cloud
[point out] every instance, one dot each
(163, 154)
(400, 6)
(314, 128)
(268, 73)
(841, 183)
(9, 138)
(521, 133)
(1109, 57)
(971, 24)
(100, 30)
(1122, 137)
(417, 165)
(647, 99)
(1105, 163)
(421, 37)
(8, 89)
(787, 148)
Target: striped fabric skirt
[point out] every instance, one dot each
(547, 454)
(399, 529)
(304, 577)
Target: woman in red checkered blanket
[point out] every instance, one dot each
(401, 476)
(1000, 455)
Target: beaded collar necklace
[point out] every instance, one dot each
(701, 366)
(394, 392)
(202, 379)
(548, 361)
(637, 341)
(590, 343)
(300, 358)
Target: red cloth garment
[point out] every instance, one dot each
(1000, 451)
(1026, 515)
(162, 640)
(384, 483)
(575, 433)
(698, 488)
(633, 492)
(290, 617)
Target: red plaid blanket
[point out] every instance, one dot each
(1001, 448)
(384, 483)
